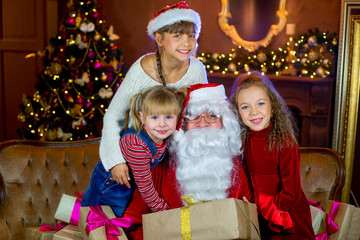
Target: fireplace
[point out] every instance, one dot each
(309, 99)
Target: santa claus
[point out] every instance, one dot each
(205, 155)
(205, 148)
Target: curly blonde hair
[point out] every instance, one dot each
(283, 130)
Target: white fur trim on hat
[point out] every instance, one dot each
(207, 94)
(173, 16)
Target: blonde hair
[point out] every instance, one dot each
(157, 100)
(283, 130)
(181, 27)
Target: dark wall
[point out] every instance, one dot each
(130, 18)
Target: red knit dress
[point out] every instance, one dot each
(276, 182)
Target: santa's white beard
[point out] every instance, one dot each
(204, 163)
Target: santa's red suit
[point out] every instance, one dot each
(166, 184)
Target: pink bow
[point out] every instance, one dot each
(97, 218)
(330, 225)
(46, 227)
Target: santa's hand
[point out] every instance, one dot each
(120, 174)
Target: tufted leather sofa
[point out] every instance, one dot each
(34, 175)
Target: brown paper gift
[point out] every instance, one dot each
(318, 219)
(354, 228)
(98, 233)
(223, 219)
(70, 232)
(33, 233)
(342, 219)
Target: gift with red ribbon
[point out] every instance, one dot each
(68, 209)
(100, 222)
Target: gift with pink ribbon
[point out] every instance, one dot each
(100, 222)
(342, 214)
(68, 209)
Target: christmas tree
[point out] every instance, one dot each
(83, 67)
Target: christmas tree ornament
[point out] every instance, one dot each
(216, 67)
(87, 27)
(320, 71)
(261, 57)
(215, 56)
(303, 60)
(97, 64)
(263, 69)
(278, 64)
(232, 67)
(105, 93)
(56, 68)
(78, 21)
(313, 55)
(104, 77)
(312, 40)
(97, 36)
(110, 33)
(304, 72)
(325, 61)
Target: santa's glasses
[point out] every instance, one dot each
(211, 118)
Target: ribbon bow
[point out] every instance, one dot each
(106, 93)
(46, 227)
(330, 225)
(97, 218)
(87, 27)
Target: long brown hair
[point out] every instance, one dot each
(283, 129)
(178, 27)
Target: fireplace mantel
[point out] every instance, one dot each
(310, 99)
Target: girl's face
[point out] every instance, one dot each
(176, 45)
(255, 108)
(159, 127)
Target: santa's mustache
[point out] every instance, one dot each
(203, 141)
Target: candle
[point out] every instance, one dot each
(290, 28)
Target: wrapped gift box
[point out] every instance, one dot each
(342, 219)
(33, 233)
(223, 219)
(70, 232)
(354, 228)
(318, 218)
(98, 233)
(68, 209)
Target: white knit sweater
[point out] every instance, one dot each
(136, 80)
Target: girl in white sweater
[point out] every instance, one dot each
(175, 30)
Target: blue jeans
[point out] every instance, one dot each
(103, 190)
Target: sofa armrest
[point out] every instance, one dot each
(35, 175)
(322, 174)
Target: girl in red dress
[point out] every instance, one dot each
(272, 159)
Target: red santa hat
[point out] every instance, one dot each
(202, 92)
(173, 14)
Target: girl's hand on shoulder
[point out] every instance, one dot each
(120, 174)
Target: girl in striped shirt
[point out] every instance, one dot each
(154, 114)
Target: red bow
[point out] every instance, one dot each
(180, 5)
(46, 227)
(97, 218)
